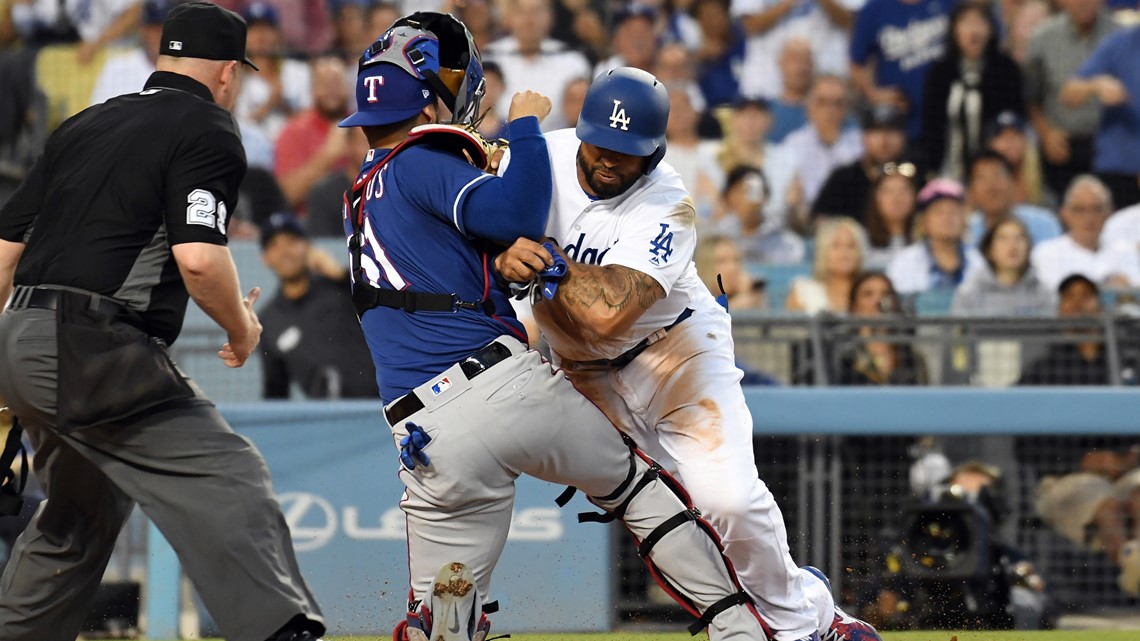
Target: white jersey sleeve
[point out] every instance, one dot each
(658, 238)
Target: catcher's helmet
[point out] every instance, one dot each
(626, 110)
(422, 56)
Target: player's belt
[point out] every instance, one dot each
(627, 357)
(48, 298)
(471, 366)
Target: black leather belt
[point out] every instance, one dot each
(471, 367)
(627, 356)
(48, 298)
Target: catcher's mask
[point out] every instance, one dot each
(423, 56)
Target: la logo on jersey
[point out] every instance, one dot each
(662, 246)
(618, 117)
(441, 386)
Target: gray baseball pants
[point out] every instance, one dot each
(521, 416)
(206, 488)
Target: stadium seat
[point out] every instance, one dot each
(67, 85)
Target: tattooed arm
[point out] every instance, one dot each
(604, 300)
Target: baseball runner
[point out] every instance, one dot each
(469, 406)
(640, 336)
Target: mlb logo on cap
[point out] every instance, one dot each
(176, 45)
(441, 386)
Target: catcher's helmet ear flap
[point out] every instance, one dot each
(422, 56)
(626, 110)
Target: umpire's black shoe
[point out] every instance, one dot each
(293, 635)
(299, 628)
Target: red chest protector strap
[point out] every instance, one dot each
(364, 295)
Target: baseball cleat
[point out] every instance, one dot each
(845, 627)
(454, 611)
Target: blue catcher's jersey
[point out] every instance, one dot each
(414, 239)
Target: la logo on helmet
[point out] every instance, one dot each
(618, 117)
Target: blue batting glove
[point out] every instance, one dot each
(412, 445)
(551, 276)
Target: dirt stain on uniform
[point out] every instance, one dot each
(708, 430)
(685, 212)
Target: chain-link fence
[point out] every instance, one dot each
(847, 502)
(939, 350)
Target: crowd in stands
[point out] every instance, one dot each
(984, 150)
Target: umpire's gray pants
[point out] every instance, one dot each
(206, 488)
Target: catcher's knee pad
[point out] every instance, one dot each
(452, 612)
(682, 551)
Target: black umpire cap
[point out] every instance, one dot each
(204, 30)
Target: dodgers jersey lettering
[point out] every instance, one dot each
(650, 228)
(415, 240)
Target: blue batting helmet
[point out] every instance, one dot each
(626, 110)
(422, 56)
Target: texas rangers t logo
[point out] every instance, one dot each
(618, 117)
(372, 82)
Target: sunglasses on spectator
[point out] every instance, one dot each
(830, 102)
(904, 169)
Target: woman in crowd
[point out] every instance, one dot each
(840, 246)
(966, 89)
(890, 213)
(940, 259)
(1007, 285)
(878, 362)
(720, 256)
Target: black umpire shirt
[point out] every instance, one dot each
(117, 186)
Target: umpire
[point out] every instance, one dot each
(122, 217)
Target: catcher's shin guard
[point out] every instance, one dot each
(682, 551)
(453, 614)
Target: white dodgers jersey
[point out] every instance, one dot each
(650, 228)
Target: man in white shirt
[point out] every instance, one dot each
(826, 24)
(531, 60)
(1085, 209)
(128, 71)
(1123, 227)
(634, 42)
(283, 87)
(825, 143)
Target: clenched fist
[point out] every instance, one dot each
(529, 103)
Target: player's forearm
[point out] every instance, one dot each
(518, 203)
(605, 300)
(10, 253)
(211, 280)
